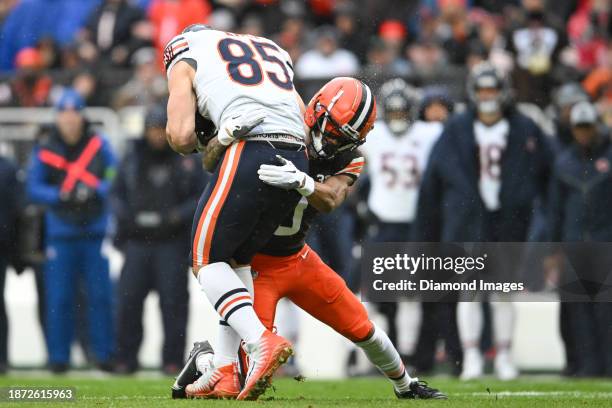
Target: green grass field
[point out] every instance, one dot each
(363, 392)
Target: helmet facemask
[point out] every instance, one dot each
(326, 144)
(485, 76)
(489, 106)
(398, 115)
(492, 104)
(398, 121)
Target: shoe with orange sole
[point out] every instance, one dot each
(265, 357)
(223, 383)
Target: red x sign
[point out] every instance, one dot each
(75, 170)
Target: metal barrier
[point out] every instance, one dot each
(19, 127)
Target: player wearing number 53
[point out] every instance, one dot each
(484, 176)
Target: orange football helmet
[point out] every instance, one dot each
(340, 116)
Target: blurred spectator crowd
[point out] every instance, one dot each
(109, 50)
(108, 53)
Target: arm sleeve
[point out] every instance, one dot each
(36, 187)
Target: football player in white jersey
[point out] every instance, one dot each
(489, 92)
(397, 155)
(484, 177)
(223, 76)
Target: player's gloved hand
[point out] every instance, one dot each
(79, 195)
(239, 126)
(286, 176)
(204, 130)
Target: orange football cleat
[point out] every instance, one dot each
(223, 383)
(265, 356)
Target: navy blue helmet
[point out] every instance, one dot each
(196, 27)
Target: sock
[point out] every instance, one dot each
(228, 341)
(469, 323)
(381, 352)
(287, 320)
(204, 362)
(246, 276)
(502, 316)
(231, 299)
(408, 326)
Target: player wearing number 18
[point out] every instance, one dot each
(221, 76)
(482, 181)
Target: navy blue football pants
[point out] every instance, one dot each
(238, 213)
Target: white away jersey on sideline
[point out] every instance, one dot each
(395, 166)
(491, 142)
(238, 73)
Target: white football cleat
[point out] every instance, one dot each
(473, 364)
(504, 366)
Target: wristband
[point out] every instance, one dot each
(309, 186)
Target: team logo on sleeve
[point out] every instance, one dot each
(174, 49)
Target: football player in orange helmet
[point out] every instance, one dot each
(338, 117)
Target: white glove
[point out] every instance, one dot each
(239, 126)
(286, 176)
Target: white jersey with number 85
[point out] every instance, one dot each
(238, 73)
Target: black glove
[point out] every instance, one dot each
(81, 194)
(204, 130)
